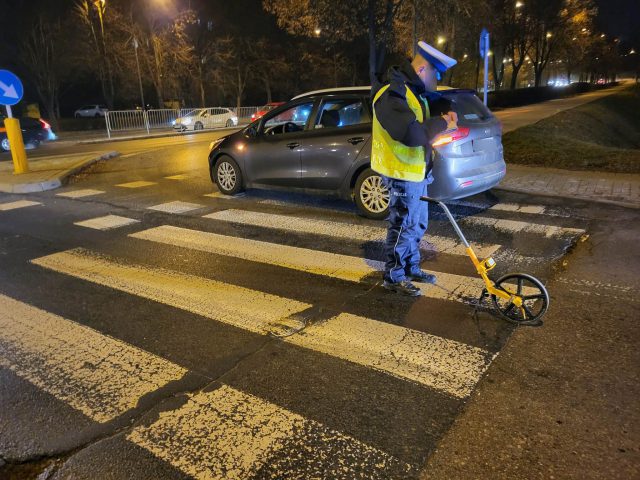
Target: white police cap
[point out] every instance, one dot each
(439, 60)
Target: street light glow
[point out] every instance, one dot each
(317, 31)
(519, 4)
(632, 51)
(549, 35)
(441, 40)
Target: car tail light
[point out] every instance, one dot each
(466, 184)
(44, 124)
(454, 136)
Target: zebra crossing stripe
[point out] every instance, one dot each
(516, 227)
(504, 207)
(98, 375)
(18, 204)
(237, 306)
(87, 192)
(362, 233)
(442, 364)
(107, 222)
(227, 434)
(445, 365)
(344, 267)
(176, 207)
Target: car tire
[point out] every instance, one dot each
(227, 176)
(229, 123)
(97, 115)
(198, 126)
(371, 196)
(77, 115)
(5, 145)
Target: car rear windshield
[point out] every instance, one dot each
(469, 108)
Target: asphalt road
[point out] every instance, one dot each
(153, 328)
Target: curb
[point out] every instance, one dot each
(570, 197)
(57, 179)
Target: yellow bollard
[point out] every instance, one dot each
(19, 154)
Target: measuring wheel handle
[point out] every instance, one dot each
(528, 299)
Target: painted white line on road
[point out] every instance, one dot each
(98, 375)
(504, 207)
(513, 226)
(19, 204)
(241, 307)
(344, 267)
(225, 197)
(176, 207)
(445, 365)
(107, 222)
(181, 176)
(228, 434)
(138, 184)
(360, 233)
(80, 193)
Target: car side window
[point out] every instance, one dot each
(288, 121)
(342, 112)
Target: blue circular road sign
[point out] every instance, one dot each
(11, 89)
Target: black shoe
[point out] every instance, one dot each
(422, 277)
(405, 287)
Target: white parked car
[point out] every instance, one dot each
(91, 111)
(202, 118)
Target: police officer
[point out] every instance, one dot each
(403, 131)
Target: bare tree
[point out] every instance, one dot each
(342, 20)
(41, 54)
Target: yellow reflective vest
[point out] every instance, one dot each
(392, 158)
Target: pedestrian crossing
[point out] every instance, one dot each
(224, 431)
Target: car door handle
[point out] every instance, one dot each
(355, 140)
(293, 145)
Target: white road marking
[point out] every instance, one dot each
(344, 267)
(107, 222)
(225, 197)
(228, 434)
(138, 184)
(513, 226)
(445, 365)
(80, 193)
(181, 176)
(505, 207)
(176, 207)
(18, 204)
(94, 373)
(241, 307)
(360, 233)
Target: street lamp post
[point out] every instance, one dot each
(135, 49)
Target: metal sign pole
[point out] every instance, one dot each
(486, 74)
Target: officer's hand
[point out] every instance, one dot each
(452, 120)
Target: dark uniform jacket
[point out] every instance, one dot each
(395, 116)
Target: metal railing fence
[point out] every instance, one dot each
(124, 121)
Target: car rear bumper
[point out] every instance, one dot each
(451, 183)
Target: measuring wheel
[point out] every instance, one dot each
(534, 299)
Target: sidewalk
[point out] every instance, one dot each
(47, 173)
(612, 188)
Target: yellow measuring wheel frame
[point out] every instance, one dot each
(517, 297)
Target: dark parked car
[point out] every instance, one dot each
(320, 142)
(34, 132)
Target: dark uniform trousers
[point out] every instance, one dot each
(408, 220)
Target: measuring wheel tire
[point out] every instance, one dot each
(227, 176)
(533, 292)
(5, 144)
(371, 196)
(229, 123)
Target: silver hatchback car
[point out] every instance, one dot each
(319, 142)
